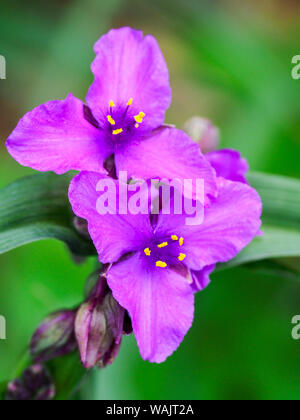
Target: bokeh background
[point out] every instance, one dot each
(229, 61)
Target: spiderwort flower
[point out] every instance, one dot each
(126, 105)
(158, 262)
(229, 164)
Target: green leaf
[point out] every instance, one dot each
(281, 220)
(281, 199)
(68, 374)
(36, 208)
(274, 268)
(3, 388)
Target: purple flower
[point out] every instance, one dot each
(229, 164)
(159, 262)
(123, 118)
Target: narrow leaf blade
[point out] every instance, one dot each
(37, 208)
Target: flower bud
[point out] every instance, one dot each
(203, 132)
(81, 226)
(34, 385)
(99, 326)
(127, 327)
(93, 279)
(55, 337)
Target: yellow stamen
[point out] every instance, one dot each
(147, 252)
(181, 241)
(162, 245)
(181, 257)
(136, 126)
(130, 102)
(116, 132)
(111, 104)
(174, 237)
(139, 118)
(111, 120)
(161, 264)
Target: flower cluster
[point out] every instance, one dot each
(154, 263)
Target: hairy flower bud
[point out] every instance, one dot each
(34, 385)
(203, 132)
(99, 326)
(54, 337)
(81, 226)
(127, 327)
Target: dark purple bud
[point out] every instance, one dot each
(81, 226)
(99, 326)
(203, 132)
(127, 327)
(55, 337)
(34, 385)
(93, 279)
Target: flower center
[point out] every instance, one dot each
(122, 121)
(167, 252)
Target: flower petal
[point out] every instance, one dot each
(201, 279)
(230, 223)
(128, 66)
(113, 234)
(56, 137)
(160, 303)
(229, 164)
(167, 153)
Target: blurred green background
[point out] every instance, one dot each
(229, 61)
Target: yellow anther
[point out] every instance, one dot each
(147, 252)
(162, 245)
(181, 241)
(181, 257)
(136, 126)
(130, 102)
(139, 118)
(161, 264)
(111, 104)
(118, 131)
(174, 238)
(111, 120)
